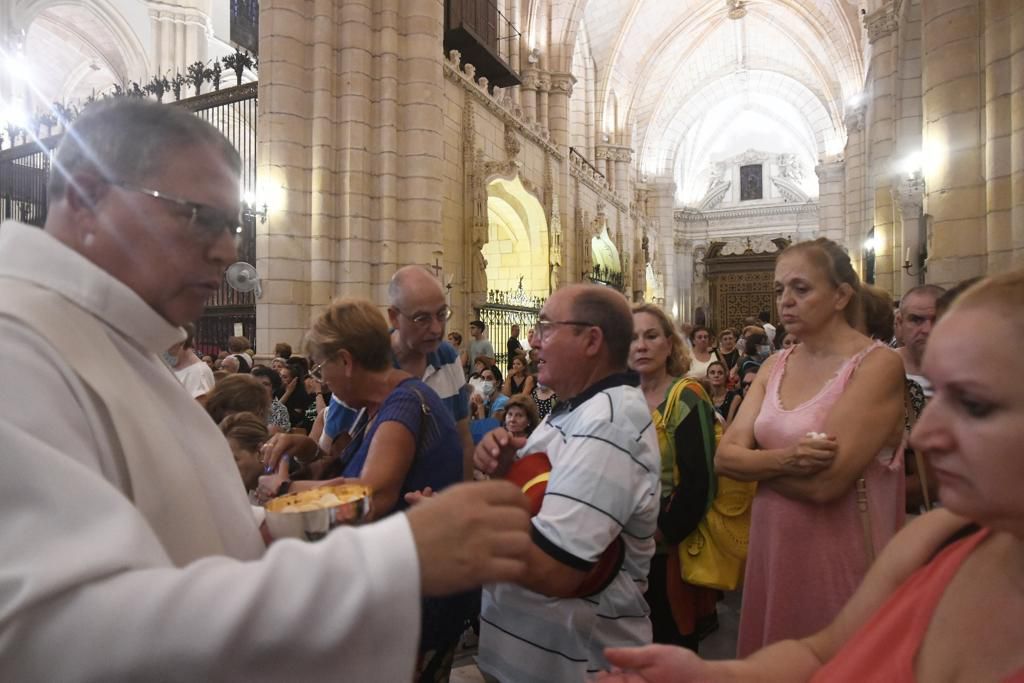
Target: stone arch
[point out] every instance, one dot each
(125, 40)
(517, 246)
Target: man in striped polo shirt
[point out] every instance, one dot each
(419, 313)
(603, 485)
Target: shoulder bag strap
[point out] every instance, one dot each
(922, 475)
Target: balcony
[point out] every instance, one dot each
(485, 37)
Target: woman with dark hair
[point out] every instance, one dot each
(701, 353)
(487, 399)
(279, 420)
(822, 422)
(295, 398)
(519, 380)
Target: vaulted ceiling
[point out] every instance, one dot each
(695, 80)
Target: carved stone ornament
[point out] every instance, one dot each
(752, 245)
(882, 22)
(512, 144)
(789, 190)
(751, 156)
(830, 171)
(855, 116)
(909, 194)
(563, 83)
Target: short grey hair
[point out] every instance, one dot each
(934, 291)
(129, 139)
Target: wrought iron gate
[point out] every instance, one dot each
(503, 310)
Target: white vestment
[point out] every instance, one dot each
(96, 584)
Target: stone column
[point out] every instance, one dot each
(1017, 125)
(10, 39)
(955, 194)
(543, 111)
(350, 135)
(857, 220)
(180, 33)
(881, 26)
(831, 190)
(529, 94)
(604, 159)
(558, 109)
(622, 158)
(999, 133)
(908, 197)
(661, 207)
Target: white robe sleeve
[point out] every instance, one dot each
(87, 592)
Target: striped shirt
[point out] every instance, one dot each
(604, 482)
(443, 374)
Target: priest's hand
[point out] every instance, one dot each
(470, 534)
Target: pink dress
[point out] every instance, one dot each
(806, 559)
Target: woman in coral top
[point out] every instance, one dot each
(945, 600)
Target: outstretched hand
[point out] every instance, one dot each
(654, 664)
(470, 534)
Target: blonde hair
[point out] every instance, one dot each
(835, 263)
(355, 325)
(247, 429)
(678, 362)
(1004, 293)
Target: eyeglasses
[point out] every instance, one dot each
(424, 319)
(207, 222)
(543, 329)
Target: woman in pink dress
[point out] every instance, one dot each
(819, 417)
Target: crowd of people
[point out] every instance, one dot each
(648, 466)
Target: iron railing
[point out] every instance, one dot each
(503, 310)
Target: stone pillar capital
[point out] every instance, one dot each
(830, 171)
(909, 194)
(882, 22)
(544, 82)
(562, 83)
(855, 115)
(530, 79)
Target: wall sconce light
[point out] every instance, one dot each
(922, 267)
(254, 207)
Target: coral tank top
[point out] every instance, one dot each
(885, 647)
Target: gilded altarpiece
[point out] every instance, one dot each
(740, 278)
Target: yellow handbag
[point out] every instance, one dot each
(715, 553)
